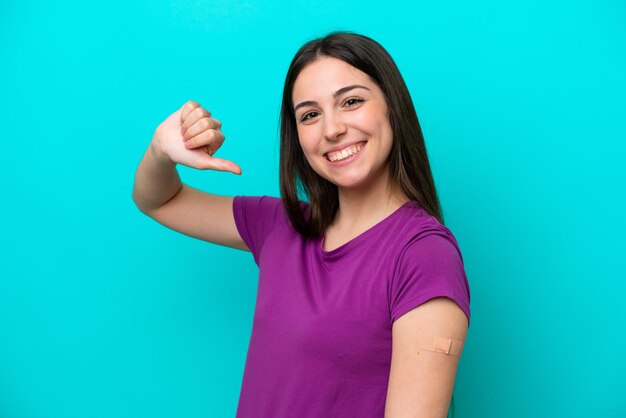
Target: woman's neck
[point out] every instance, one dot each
(360, 209)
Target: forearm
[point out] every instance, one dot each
(156, 180)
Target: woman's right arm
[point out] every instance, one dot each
(189, 136)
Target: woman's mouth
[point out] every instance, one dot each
(345, 153)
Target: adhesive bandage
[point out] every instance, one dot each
(440, 345)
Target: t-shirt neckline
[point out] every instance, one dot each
(362, 237)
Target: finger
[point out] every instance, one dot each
(200, 126)
(187, 109)
(194, 116)
(219, 164)
(211, 138)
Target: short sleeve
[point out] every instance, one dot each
(255, 218)
(429, 267)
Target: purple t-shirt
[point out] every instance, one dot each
(321, 336)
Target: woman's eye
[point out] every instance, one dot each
(352, 101)
(308, 116)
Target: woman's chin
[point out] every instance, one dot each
(350, 179)
(348, 183)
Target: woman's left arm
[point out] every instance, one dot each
(421, 381)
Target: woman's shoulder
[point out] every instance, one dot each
(417, 219)
(259, 205)
(414, 224)
(263, 207)
(268, 199)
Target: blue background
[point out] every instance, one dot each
(106, 313)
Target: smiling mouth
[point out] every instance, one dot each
(345, 153)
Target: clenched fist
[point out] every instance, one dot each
(190, 136)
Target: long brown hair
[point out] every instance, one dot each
(408, 162)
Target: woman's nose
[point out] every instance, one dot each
(334, 126)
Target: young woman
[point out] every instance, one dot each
(363, 302)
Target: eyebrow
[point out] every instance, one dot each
(335, 95)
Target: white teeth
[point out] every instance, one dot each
(344, 153)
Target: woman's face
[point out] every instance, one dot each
(342, 122)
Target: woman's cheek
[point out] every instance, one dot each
(308, 140)
(368, 121)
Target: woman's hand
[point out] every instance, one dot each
(190, 136)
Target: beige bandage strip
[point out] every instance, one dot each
(440, 345)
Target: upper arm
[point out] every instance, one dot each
(421, 382)
(201, 215)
